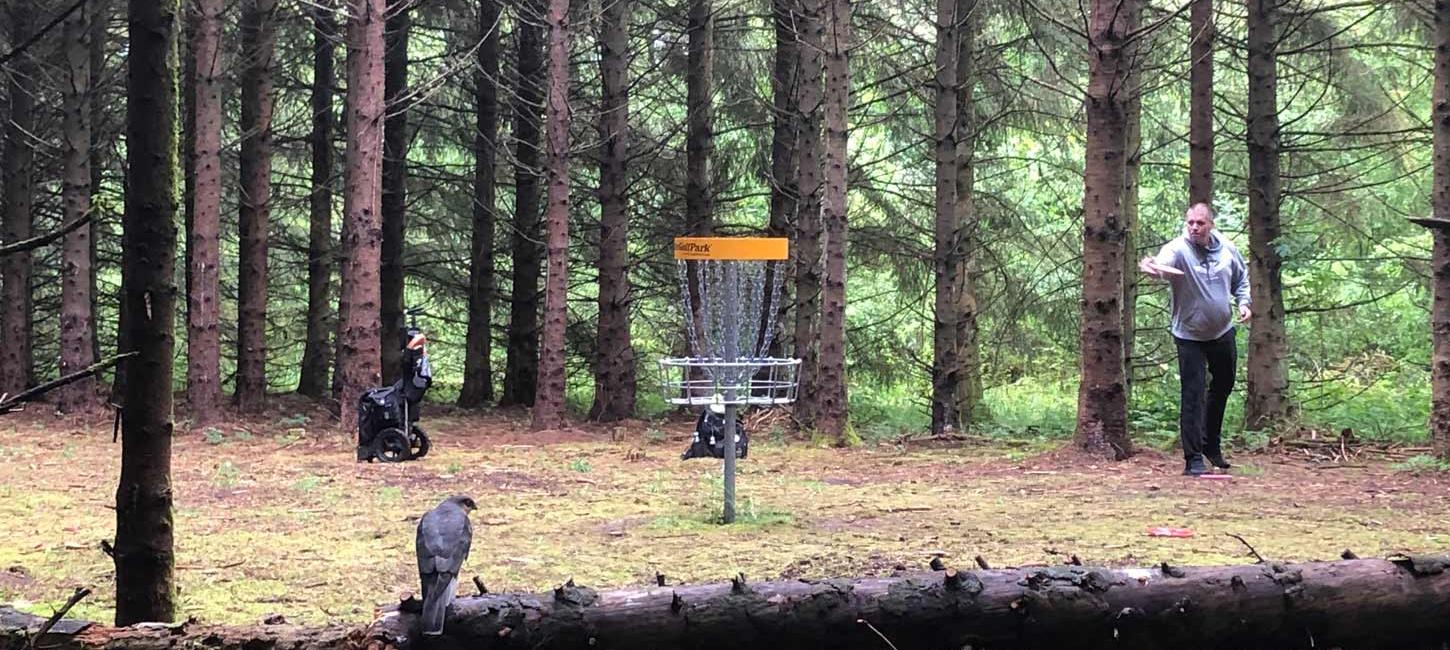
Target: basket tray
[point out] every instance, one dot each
(701, 381)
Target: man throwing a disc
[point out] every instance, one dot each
(1206, 276)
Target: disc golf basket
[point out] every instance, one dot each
(730, 297)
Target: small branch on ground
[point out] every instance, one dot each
(81, 592)
(878, 632)
(1245, 542)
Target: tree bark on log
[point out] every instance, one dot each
(1397, 603)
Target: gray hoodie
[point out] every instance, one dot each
(1202, 296)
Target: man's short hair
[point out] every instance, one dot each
(1206, 208)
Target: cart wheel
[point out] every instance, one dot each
(391, 446)
(420, 443)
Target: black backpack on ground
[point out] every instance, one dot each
(709, 440)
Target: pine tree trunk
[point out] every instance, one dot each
(808, 268)
(1200, 99)
(118, 380)
(187, 142)
(1102, 414)
(357, 341)
(521, 363)
(1266, 399)
(1440, 262)
(317, 353)
(832, 414)
(203, 314)
(145, 562)
(1132, 164)
(100, 10)
(784, 191)
(549, 407)
(699, 148)
(258, 29)
(700, 117)
(615, 382)
(17, 363)
(968, 390)
(395, 185)
(944, 364)
(477, 367)
(75, 299)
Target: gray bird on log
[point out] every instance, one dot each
(444, 535)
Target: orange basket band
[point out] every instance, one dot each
(732, 248)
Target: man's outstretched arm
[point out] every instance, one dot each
(1162, 266)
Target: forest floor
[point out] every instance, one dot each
(273, 515)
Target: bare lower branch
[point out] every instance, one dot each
(41, 240)
(41, 32)
(8, 404)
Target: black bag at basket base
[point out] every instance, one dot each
(709, 441)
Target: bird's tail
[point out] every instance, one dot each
(435, 603)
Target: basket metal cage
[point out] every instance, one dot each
(702, 381)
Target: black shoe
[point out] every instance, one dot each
(1218, 461)
(1194, 466)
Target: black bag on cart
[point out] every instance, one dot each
(387, 417)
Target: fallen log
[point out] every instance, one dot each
(1401, 603)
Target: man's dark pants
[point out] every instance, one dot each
(1200, 415)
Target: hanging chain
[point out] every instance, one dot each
(729, 285)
